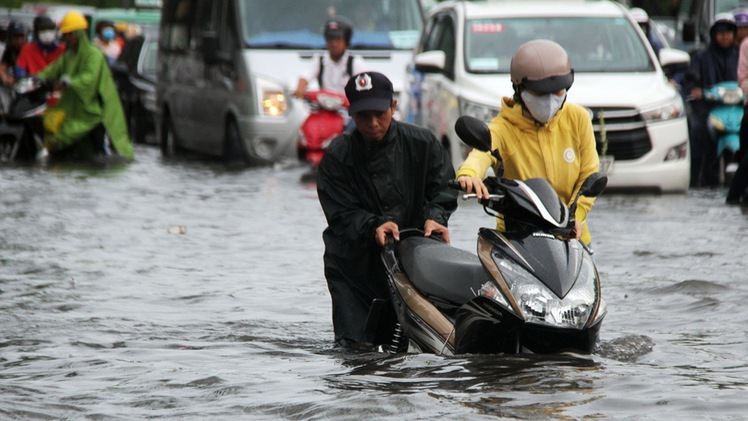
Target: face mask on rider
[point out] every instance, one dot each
(47, 37)
(107, 34)
(543, 107)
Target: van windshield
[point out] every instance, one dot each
(292, 24)
(593, 44)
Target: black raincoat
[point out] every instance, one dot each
(361, 185)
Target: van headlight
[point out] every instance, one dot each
(480, 111)
(272, 98)
(541, 306)
(670, 110)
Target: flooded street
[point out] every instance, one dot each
(187, 290)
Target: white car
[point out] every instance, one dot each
(462, 68)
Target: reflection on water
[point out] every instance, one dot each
(189, 290)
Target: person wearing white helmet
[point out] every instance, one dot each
(716, 63)
(642, 18)
(538, 133)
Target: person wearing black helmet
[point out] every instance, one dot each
(17, 38)
(538, 133)
(40, 53)
(332, 70)
(718, 62)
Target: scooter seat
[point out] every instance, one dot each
(442, 272)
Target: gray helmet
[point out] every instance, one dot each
(542, 66)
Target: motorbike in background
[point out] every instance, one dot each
(325, 122)
(531, 288)
(724, 124)
(21, 120)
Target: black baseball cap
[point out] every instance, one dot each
(369, 91)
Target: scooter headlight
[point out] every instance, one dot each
(541, 306)
(730, 96)
(27, 84)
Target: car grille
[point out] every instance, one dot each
(625, 130)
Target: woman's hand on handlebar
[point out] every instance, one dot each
(473, 185)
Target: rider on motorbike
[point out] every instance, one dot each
(90, 106)
(332, 70)
(538, 133)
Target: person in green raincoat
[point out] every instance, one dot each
(90, 104)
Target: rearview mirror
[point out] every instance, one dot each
(431, 61)
(474, 133)
(594, 185)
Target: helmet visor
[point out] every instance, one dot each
(550, 84)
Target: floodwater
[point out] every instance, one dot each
(188, 290)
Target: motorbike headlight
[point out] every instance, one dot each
(663, 112)
(541, 306)
(272, 98)
(480, 111)
(27, 84)
(731, 96)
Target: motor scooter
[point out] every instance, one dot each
(324, 123)
(531, 288)
(21, 120)
(724, 124)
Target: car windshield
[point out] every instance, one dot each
(377, 24)
(593, 44)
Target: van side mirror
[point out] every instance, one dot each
(210, 47)
(431, 61)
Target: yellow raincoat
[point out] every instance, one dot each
(562, 151)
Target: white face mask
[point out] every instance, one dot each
(47, 37)
(543, 107)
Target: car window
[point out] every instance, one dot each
(442, 38)
(593, 44)
(149, 54)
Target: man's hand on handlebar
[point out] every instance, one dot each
(381, 232)
(473, 184)
(433, 227)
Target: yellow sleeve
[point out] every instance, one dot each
(590, 164)
(476, 164)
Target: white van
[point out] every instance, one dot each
(227, 68)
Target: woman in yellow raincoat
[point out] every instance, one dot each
(90, 104)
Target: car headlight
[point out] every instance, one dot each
(541, 306)
(272, 98)
(480, 111)
(670, 110)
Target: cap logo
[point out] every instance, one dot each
(363, 82)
